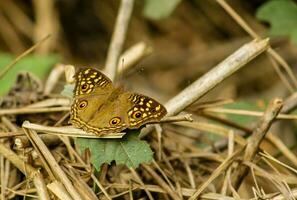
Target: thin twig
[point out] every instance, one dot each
(87, 169)
(53, 166)
(45, 22)
(68, 131)
(133, 55)
(41, 186)
(246, 112)
(28, 110)
(177, 118)
(227, 162)
(8, 67)
(213, 128)
(272, 138)
(161, 182)
(252, 33)
(212, 78)
(118, 37)
(216, 75)
(134, 173)
(25, 168)
(257, 137)
(50, 103)
(290, 103)
(53, 79)
(266, 155)
(59, 190)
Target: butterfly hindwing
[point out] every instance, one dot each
(143, 109)
(99, 118)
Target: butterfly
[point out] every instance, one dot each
(99, 107)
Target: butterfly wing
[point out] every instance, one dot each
(98, 118)
(100, 108)
(142, 109)
(92, 89)
(90, 81)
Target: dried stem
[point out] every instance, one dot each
(46, 22)
(216, 75)
(28, 110)
(134, 173)
(59, 190)
(270, 51)
(133, 55)
(68, 131)
(53, 166)
(118, 37)
(257, 137)
(25, 168)
(40, 186)
(53, 78)
(223, 166)
(161, 182)
(212, 78)
(246, 113)
(290, 103)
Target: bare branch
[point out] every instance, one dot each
(118, 37)
(212, 78)
(257, 137)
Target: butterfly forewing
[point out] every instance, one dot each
(91, 91)
(91, 81)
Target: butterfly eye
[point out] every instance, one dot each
(115, 121)
(136, 115)
(84, 87)
(82, 104)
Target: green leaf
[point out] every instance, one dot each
(282, 15)
(244, 105)
(243, 120)
(248, 106)
(68, 90)
(129, 150)
(36, 64)
(159, 9)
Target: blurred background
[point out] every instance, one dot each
(185, 40)
(181, 41)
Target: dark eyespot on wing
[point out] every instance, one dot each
(87, 79)
(145, 110)
(115, 121)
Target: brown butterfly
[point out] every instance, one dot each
(101, 108)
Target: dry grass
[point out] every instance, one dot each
(40, 161)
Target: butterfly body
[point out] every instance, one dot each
(100, 108)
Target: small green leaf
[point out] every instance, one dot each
(36, 64)
(159, 9)
(129, 150)
(243, 105)
(282, 15)
(244, 120)
(68, 90)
